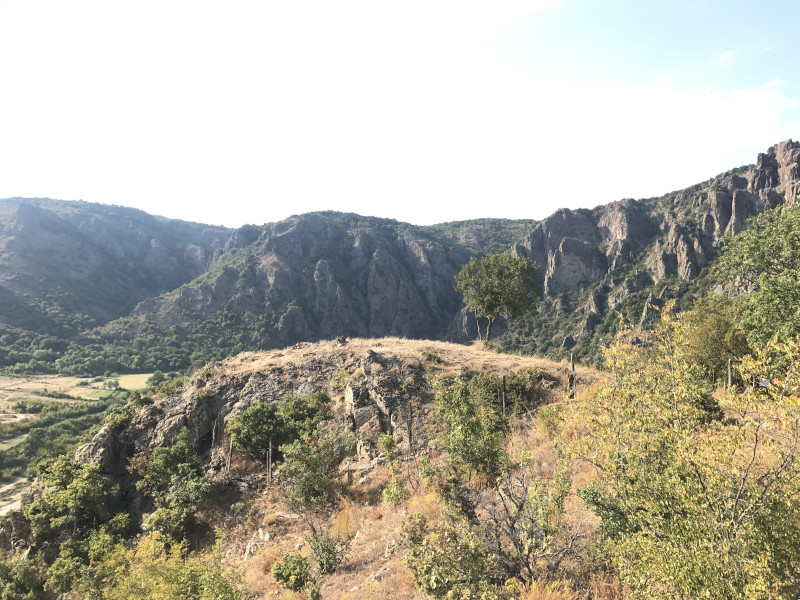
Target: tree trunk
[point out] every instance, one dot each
(489, 329)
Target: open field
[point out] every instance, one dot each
(11, 495)
(39, 387)
(15, 441)
(66, 409)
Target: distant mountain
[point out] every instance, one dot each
(95, 259)
(168, 293)
(621, 256)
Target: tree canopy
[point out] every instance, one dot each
(766, 259)
(498, 284)
(693, 505)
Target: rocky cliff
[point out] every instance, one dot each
(94, 259)
(370, 384)
(320, 275)
(632, 250)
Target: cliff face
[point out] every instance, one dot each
(95, 259)
(318, 276)
(630, 244)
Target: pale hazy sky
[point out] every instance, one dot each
(249, 111)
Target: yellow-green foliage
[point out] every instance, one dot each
(713, 336)
(156, 570)
(692, 506)
(292, 571)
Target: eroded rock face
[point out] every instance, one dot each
(625, 228)
(318, 279)
(576, 252)
(369, 407)
(565, 247)
(572, 266)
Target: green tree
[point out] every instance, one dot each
(254, 427)
(307, 473)
(713, 336)
(282, 422)
(766, 260)
(173, 477)
(450, 562)
(74, 500)
(159, 569)
(498, 284)
(693, 507)
(19, 579)
(472, 428)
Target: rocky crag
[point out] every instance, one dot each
(320, 275)
(371, 384)
(632, 251)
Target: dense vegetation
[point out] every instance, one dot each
(57, 428)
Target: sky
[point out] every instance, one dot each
(423, 111)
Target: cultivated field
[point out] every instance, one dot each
(48, 388)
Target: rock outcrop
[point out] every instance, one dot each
(373, 388)
(319, 277)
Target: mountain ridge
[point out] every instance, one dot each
(323, 274)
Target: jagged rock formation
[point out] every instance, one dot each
(320, 275)
(370, 386)
(579, 248)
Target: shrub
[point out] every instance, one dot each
(292, 571)
(283, 422)
(431, 356)
(306, 475)
(312, 590)
(396, 492)
(172, 476)
(328, 548)
(693, 507)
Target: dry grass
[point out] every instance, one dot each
(374, 567)
(456, 358)
(134, 382)
(553, 591)
(604, 586)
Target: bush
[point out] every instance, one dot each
(693, 507)
(283, 422)
(473, 430)
(328, 548)
(306, 475)
(172, 476)
(431, 356)
(292, 571)
(396, 492)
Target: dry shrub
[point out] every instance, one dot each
(345, 522)
(258, 570)
(480, 481)
(266, 557)
(605, 586)
(370, 491)
(551, 591)
(428, 505)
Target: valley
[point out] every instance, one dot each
(307, 413)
